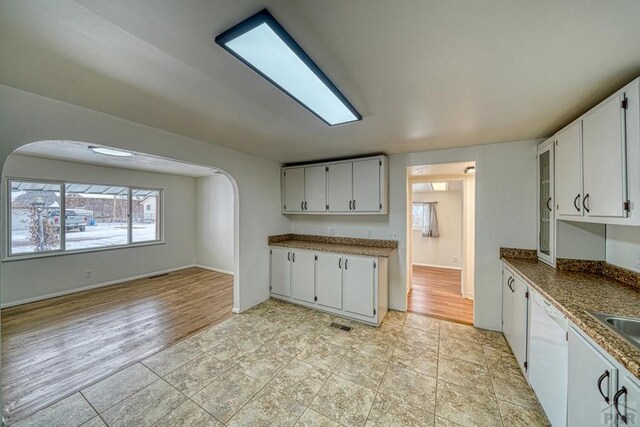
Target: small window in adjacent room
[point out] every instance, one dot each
(96, 216)
(145, 207)
(418, 216)
(33, 225)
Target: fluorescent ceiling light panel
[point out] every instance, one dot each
(262, 44)
(110, 152)
(439, 186)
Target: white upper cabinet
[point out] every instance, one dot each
(568, 171)
(366, 185)
(315, 189)
(293, 190)
(604, 156)
(357, 186)
(340, 187)
(597, 162)
(546, 200)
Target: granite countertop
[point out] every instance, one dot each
(575, 293)
(344, 245)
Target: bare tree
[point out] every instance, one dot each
(51, 238)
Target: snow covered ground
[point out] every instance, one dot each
(101, 235)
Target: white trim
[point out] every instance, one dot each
(97, 285)
(235, 310)
(436, 266)
(219, 270)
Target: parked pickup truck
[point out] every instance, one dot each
(72, 220)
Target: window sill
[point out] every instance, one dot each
(79, 251)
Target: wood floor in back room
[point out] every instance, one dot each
(436, 292)
(54, 347)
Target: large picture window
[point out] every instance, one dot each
(85, 217)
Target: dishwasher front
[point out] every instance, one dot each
(548, 358)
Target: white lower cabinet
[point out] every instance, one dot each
(627, 401)
(351, 286)
(303, 274)
(515, 308)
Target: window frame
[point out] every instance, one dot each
(63, 251)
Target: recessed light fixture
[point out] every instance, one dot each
(110, 152)
(470, 169)
(263, 45)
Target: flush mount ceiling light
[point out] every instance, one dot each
(110, 152)
(470, 169)
(439, 186)
(263, 45)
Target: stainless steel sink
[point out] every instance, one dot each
(627, 327)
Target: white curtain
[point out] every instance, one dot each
(430, 220)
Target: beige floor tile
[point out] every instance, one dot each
(72, 411)
(233, 349)
(364, 370)
(501, 360)
(339, 337)
(418, 338)
(293, 339)
(145, 407)
(227, 394)
(466, 406)
(417, 359)
(387, 411)
(196, 374)
(394, 316)
(441, 422)
(94, 422)
(465, 374)
(424, 323)
(462, 349)
(264, 363)
(323, 354)
(493, 339)
(268, 408)
(344, 401)
(300, 380)
(188, 415)
(374, 347)
(173, 357)
(513, 387)
(311, 418)
(458, 331)
(119, 386)
(410, 387)
(517, 416)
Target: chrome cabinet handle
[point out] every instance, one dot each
(616, 400)
(584, 203)
(602, 378)
(575, 203)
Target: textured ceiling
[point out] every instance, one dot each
(425, 74)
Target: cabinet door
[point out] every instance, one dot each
(280, 280)
(546, 223)
(519, 316)
(315, 189)
(359, 282)
(294, 190)
(604, 151)
(591, 376)
(628, 402)
(303, 275)
(366, 185)
(340, 186)
(329, 280)
(507, 303)
(568, 171)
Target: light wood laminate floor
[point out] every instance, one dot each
(436, 292)
(53, 347)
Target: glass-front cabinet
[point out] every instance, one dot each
(546, 207)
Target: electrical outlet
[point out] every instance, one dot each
(454, 259)
(87, 274)
(331, 231)
(393, 235)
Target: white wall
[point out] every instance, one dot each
(440, 251)
(505, 216)
(30, 279)
(26, 118)
(623, 246)
(214, 223)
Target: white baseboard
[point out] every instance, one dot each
(97, 285)
(436, 266)
(218, 270)
(235, 310)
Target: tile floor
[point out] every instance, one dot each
(282, 365)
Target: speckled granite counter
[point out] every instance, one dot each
(574, 293)
(343, 245)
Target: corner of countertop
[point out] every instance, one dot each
(518, 253)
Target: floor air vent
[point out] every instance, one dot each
(159, 275)
(342, 327)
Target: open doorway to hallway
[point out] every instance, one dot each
(441, 219)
